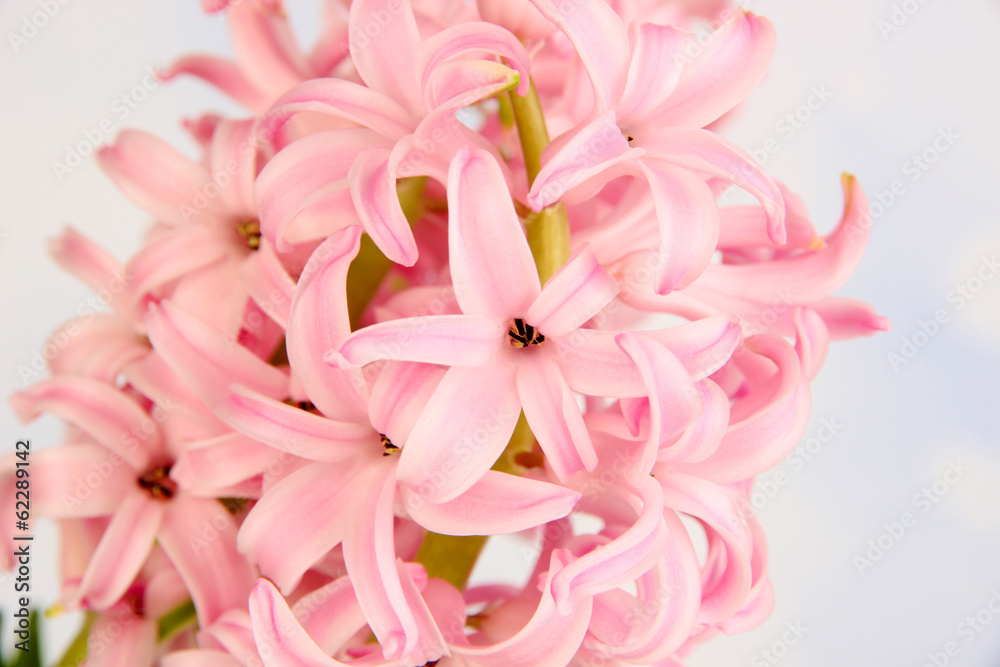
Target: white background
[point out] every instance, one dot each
(891, 93)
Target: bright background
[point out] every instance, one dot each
(893, 77)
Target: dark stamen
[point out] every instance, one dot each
(158, 484)
(388, 446)
(522, 334)
(250, 230)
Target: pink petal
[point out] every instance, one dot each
(707, 153)
(460, 83)
(207, 467)
(269, 284)
(452, 340)
(319, 322)
(387, 48)
(586, 155)
(471, 38)
(703, 346)
(497, 504)
(293, 430)
(654, 69)
(492, 269)
(554, 416)
(88, 262)
(549, 639)
(721, 516)
(316, 495)
(102, 346)
(726, 69)
(222, 74)
(274, 626)
(306, 173)
(156, 177)
(761, 440)
(461, 433)
(399, 395)
(175, 254)
(622, 559)
(577, 292)
(346, 100)
(600, 40)
(134, 639)
(373, 190)
(702, 438)
(199, 536)
(122, 550)
(849, 318)
(331, 614)
(207, 361)
(812, 340)
(266, 48)
(688, 217)
(199, 658)
(102, 411)
(81, 480)
(233, 162)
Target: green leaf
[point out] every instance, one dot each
(176, 619)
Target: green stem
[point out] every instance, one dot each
(76, 654)
(548, 230)
(176, 619)
(370, 266)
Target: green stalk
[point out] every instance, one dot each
(370, 266)
(77, 651)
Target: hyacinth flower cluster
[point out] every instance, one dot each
(460, 271)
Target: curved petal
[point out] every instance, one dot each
(280, 638)
(222, 74)
(600, 39)
(461, 433)
(81, 480)
(293, 430)
(88, 262)
(345, 100)
(316, 495)
(199, 536)
(495, 505)
(112, 418)
(385, 48)
(554, 416)
(134, 640)
(688, 218)
(208, 467)
(451, 340)
(122, 551)
(373, 190)
(654, 69)
(578, 291)
(473, 37)
(269, 284)
(319, 322)
(492, 269)
(205, 359)
(266, 48)
(175, 254)
(399, 395)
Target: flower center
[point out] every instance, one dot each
(250, 230)
(388, 448)
(522, 334)
(158, 484)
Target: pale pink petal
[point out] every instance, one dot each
(102, 346)
(399, 395)
(207, 467)
(472, 38)
(707, 153)
(222, 74)
(266, 48)
(346, 100)
(812, 340)
(373, 190)
(600, 40)
(591, 151)
(461, 433)
(156, 177)
(758, 442)
(849, 318)
(331, 614)
(724, 71)
(554, 416)
(386, 50)
(593, 364)
(176, 254)
(282, 641)
(703, 346)
(82, 480)
(88, 262)
(722, 518)
(134, 639)
(199, 536)
(199, 658)
(621, 560)
(549, 639)
(452, 340)
(702, 438)
(233, 163)
(577, 292)
(100, 410)
(492, 269)
(304, 174)
(290, 429)
(497, 504)
(316, 495)
(206, 359)
(319, 322)
(654, 69)
(123, 549)
(269, 284)
(689, 224)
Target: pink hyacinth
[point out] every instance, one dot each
(461, 273)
